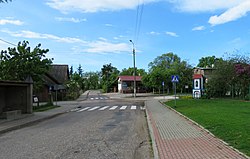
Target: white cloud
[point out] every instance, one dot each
(172, 34)
(154, 33)
(231, 9)
(102, 39)
(198, 28)
(204, 6)
(231, 14)
(10, 21)
(74, 20)
(100, 46)
(104, 47)
(108, 25)
(91, 6)
(34, 35)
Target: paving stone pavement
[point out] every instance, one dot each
(175, 137)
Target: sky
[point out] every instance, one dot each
(94, 33)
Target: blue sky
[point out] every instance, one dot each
(97, 32)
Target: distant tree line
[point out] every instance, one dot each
(231, 75)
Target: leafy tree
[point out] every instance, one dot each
(163, 67)
(71, 71)
(74, 86)
(92, 80)
(230, 75)
(130, 72)
(79, 70)
(20, 62)
(5, 1)
(208, 61)
(109, 77)
(222, 79)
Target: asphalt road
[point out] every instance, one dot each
(98, 128)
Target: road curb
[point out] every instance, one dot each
(29, 123)
(151, 133)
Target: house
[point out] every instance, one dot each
(207, 72)
(126, 84)
(54, 83)
(200, 77)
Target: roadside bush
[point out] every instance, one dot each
(247, 97)
(186, 97)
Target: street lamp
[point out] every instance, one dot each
(134, 67)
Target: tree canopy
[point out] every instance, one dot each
(130, 72)
(5, 1)
(109, 77)
(208, 61)
(163, 67)
(20, 62)
(230, 76)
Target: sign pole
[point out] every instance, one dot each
(163, 92)
(175, 94)
(175, 79)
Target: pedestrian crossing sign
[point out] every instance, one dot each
(175, 79)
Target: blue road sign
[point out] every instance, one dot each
(175, 79)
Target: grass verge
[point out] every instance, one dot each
(44, 107)
(227, 119)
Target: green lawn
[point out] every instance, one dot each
(227, 119)
(44, 108)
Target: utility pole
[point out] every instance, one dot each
(134, 68)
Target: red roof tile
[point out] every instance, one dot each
(196, 76)
(130, 78)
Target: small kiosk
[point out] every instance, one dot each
(198, 85)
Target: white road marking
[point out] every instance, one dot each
(96, 98)
(83, 109)
(113, 108)
(73, 110)
(101, 98)
(103, 108)
(133, 107)
(94, 108)
(142, 108)
(123, 107)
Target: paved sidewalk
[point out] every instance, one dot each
(175, 137)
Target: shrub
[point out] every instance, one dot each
(247, 97)
(186, 97)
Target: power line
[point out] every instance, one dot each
(7, 42)
(139, 14)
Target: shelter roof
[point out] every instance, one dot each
(129, 78)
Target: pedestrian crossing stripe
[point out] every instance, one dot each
(113, 108)
(98, 98)
(83, 109)
(123, 107)
(102, 108)
(94, 108)
(133, 107)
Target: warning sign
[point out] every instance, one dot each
(175, 79)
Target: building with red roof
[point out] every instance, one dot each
(126, 84)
